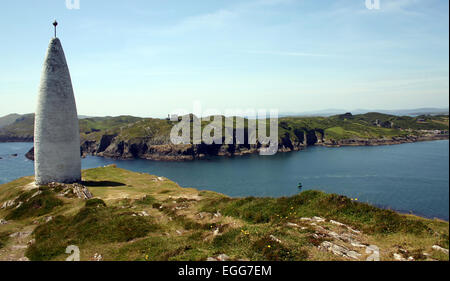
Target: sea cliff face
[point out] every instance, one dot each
(16, 138)
(127, 137)
(113, 147)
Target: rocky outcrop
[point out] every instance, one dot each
(30, 154)
(5, 138)
(383, 141)
(111, 146)
(71, 190)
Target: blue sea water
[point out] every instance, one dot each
(411, 178)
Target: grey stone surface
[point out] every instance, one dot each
(56, 136)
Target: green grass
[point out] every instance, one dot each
(315, 203)
(36, 206)
(94, 223)
(4, 237)
(146, 200)
(182, 223)
(154, 131)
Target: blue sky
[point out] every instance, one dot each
(147, 58)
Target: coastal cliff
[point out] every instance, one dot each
(114, 147)
(126, 137)
(110, 147)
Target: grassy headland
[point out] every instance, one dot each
(134, 137)
(137, 216)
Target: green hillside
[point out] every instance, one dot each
(137, 216)
(8, 119)
(339, 127)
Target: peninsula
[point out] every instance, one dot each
(126, 137)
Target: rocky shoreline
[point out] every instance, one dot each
(15, 139)
(109, 147)
(376, 142)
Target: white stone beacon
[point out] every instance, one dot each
(56, 129)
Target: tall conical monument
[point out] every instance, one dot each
(56, 131)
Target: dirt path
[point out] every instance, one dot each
(17, 244)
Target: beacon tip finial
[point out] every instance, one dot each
(55, 23)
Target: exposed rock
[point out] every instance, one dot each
(97, 257)
(439, 248)
(3, 221)
(36, 194)
(143, 214)
(374, 251)
(357, 244)
(113, 146)
(353, 230)
(318, 219)
(82, 191)
(221, 257)
(71, 190)
(30, 154)
(399, 257)
(403, 251)
(339, 250)
(337, 223)
(20, 234)
(200, 215)
(344, 237)
(9, 203)
(273, 238)
(47, 219)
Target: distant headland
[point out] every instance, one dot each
(127, 137)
